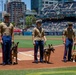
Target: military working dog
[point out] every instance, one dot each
(47, 53)
(14, 51)
(74, 53)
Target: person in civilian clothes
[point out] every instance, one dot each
(68, 40)
(39, 40)
(6, 38)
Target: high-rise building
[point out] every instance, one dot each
(7, 1)
(17, 9)
(36, 5)
(0, 16)
(12, 1)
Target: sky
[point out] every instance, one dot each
(27, 2)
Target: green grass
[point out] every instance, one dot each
(17, 36)
(26, 41)
(56, 71)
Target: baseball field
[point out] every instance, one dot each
(25, 59)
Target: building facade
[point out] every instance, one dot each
(12, 1)
(0, 16)
(17, 11)
(35, 5)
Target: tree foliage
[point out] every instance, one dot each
(30, 20)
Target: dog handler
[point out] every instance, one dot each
(6, 39)
(39, 40)
(68, 39)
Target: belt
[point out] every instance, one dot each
(70, 38)
(6, 34)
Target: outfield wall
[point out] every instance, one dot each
(53, 33)
(47, 33)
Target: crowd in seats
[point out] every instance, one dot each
(67, 8)
(54, 26)
(64, 5)
(74, 6)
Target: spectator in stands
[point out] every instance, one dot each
(39, 40)
(68, 39)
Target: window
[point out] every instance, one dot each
(46, 2)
